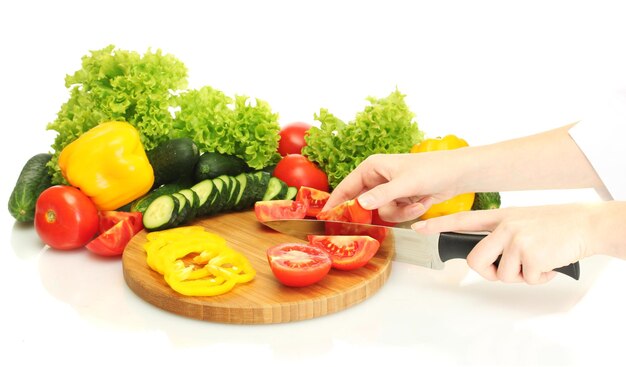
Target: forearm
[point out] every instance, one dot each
(607, 230)
(549, 160)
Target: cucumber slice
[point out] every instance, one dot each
(193, 199)
(291, 193)
(206, 192)
(161, 213)
(184, 208)
(262, 179)
(246, 191)
(220, 197)
(276, 189)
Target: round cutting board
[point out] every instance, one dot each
(263, 300)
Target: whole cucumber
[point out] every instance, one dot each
(173, 160)
(33, 179)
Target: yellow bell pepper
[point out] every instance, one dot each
(458, 203)
(108, 163)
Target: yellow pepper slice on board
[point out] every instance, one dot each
(462, 202)
(108, 163)
(195, 262)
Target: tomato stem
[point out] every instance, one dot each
(51, 216)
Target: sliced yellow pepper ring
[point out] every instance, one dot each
(195, 262)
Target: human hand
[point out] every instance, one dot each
(401, 186)
(532, 240)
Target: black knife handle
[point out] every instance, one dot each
(453, 245)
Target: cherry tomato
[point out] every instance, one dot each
(347, 252)
(279, 209)
(314, 199)
(297, 171)
(115, 231)
(292, 138)
(297, 264)
(65, 218)
(348, 211)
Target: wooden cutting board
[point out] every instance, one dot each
(263, 300)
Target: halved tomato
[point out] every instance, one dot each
(115, 231)
(313, 198)
(279, 209)
(298, 264)
(347, 252)
(348, 211)
(109, 218)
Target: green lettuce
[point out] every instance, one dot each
(119, 85)
(217, 123)
(385, 126)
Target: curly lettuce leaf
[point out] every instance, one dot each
(217, 123)
(119, 85)
(385, 126)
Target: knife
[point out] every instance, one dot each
(430, 251)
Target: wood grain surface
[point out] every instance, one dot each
(263, 300)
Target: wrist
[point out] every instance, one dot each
(607, 229)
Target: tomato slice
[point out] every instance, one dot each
(298, 264)
(115, 231)
(348, 211)
(347, 252)
(108, 218)
(313, 198)
(113, 241)
(279, 209)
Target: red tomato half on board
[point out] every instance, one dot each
(109, 218)
(65, 218)
(279, 209)
(347, 252)
(314, 199)
(297, 264)
(348, 211)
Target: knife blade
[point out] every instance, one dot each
(430, 251)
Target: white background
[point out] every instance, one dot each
(484, 70)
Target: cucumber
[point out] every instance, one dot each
(486, 200)
(212, 164)
(141, 204)
(184, 209)
(245, 197)
(219, 200)
(162, 213)
(291, 193)
(194, 202)
(262, 179)
(33, 179)
(206, 192)
(276, 189)
(173, 160)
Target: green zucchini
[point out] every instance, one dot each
(162, 213)
(213, 164)
(32, 181)
(173, 160)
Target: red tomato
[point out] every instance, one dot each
(296, 170)
(377, 232)
(65, 218)
(347, 252)
(116, 229)
(109, 218)
(292, 138)
(297, 264)
(376, 219)
(348, 211)
(279, 209)
(314, 199)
